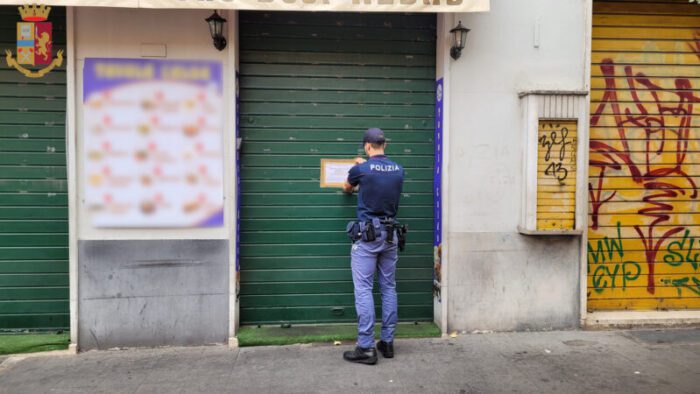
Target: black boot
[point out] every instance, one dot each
(386, 349)
(362, 355)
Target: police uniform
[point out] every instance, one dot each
(380, 183)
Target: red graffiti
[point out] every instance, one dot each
(695, 44)
(657, 161)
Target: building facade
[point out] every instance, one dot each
(155, 190)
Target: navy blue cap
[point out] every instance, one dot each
(374, 135)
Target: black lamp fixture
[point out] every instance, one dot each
(459, 38)
(216, 28)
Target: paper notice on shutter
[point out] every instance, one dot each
(334, 172)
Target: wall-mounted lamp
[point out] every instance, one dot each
(459, 38)
(216, 28)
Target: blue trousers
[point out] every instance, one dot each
(368, 257)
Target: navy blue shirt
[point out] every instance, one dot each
(381, 181)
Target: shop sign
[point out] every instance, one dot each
(34, 43)
(293, 5)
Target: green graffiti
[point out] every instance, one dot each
(606, 246)
(675, 256)
(604, 277)
(607, 275)
(684, 283)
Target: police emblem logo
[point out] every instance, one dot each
(34, 42)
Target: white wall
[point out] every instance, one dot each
(498, 62)
(500, 279)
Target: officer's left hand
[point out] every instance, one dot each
(359, 160)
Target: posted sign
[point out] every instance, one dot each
(334, 172)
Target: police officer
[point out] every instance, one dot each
(380, 181)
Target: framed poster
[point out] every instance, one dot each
(153, 143)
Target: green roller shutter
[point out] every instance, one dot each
(311, 83)
(33, 190)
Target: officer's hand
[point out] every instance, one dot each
(348, 188)
(359, 160)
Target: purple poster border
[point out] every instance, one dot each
(437, 191)
(135, 70)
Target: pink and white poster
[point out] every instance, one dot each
(153, 143)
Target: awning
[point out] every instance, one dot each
(283, 5)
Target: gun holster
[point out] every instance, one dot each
(401, 235)
(353, 231)
(369, 233)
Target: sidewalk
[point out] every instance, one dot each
(563, 361)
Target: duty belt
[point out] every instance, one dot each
(367, 231)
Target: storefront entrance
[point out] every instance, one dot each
(33, 186)
(310, 84)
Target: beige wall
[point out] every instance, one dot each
(137, 33)
(182, 289)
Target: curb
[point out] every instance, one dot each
(641, 319)
(12, 359)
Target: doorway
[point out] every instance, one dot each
(310, 84)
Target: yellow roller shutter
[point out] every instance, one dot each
(644, 174)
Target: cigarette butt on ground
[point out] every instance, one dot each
(336, 343)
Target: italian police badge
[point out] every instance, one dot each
(34, 43)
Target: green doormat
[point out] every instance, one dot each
(30, 343)
(278, 335)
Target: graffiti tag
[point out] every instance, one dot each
(676, 250)
(606, 274)
(557, 140)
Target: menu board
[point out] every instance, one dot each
(153, 143)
